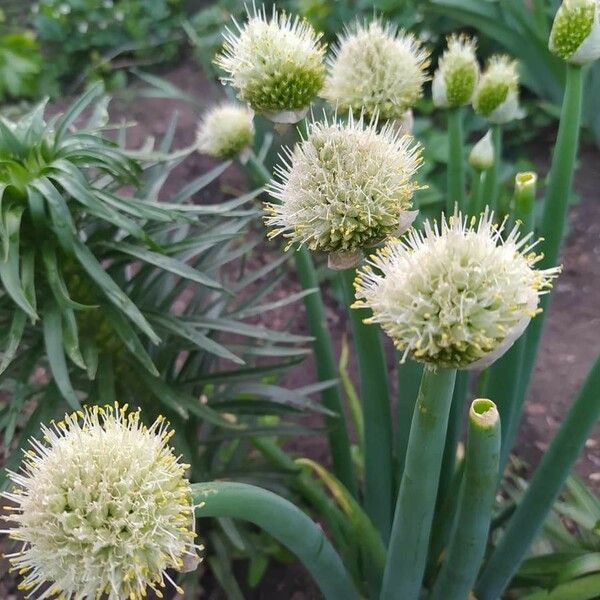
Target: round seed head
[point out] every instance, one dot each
(225, 131)
(276, 65)
(481, 157)
(457, 73)
(378, 69)
(457, 294)
(497, 94)
(575, 35)
(102, 507)
(346, 187)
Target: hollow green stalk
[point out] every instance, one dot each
(556, 204)
(504, 380)
(543, 489)
(476, 199)
(375, 398)
(467, 547)
(415, 505)
(456, 169)
(409, 376)
(337, 433)
(491, 183)
(285, 522)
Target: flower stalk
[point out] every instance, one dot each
(407, 554)
(456, 170)
(375, 397)
(468, 543)
(489, 193)
(543, 489)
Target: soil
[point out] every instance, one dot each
(570, 343)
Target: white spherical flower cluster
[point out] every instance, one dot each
(276, 65)
(225, 131)
(497, 94)
(457, 73)
(101, 507)
(575, 35)
(378, 69)
(455, 295)
(346, 187)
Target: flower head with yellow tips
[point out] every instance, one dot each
(497, 94)
(575, 35)
(276, 65)
(456, 294)
(101, 507)
(346, 187)
(378, 69)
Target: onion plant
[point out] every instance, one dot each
(454, 295)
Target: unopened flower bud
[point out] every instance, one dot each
(482, 154)
(457, 73)
(497, 94)
(276, 66)
(575, 35)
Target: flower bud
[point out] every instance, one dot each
(497, 94)
(482, 154)
(456, 294)
(225, 131)
(457, 73)
(102, 508)
(377, 69)
(575, 35)
(276, 66)
(345, 187)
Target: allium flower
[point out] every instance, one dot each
(575, 35)
(456, 295)
(226, 131)
(345, 187)
(378, 69)
(102, 507)
(276, 66)
(497, 94)
(481, 157)
(457, 73)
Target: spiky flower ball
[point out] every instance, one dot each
(101, 507)
(497, 94)
(481, 157)
(346, 187)
(276, 65)
(457, 294)
(376, 68)
(457, 73)
(226, 131)
(575, 35)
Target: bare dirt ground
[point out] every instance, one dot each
(570, 343)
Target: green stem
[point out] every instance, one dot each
(415, 505)
(409, 376)
(543, 489)
(456, 170)
(285, 522)
(467, 547)
(556, 204)
(337, 433)
(490, 184)
(504, 380)
(476, 193)
(375, 399)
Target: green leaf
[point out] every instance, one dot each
(53, 340)
(71, 337)
(69, 117)
(17, 327)
(9, 270)
(111, 290)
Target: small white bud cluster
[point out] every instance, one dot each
(575, 35)
(226, 131)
